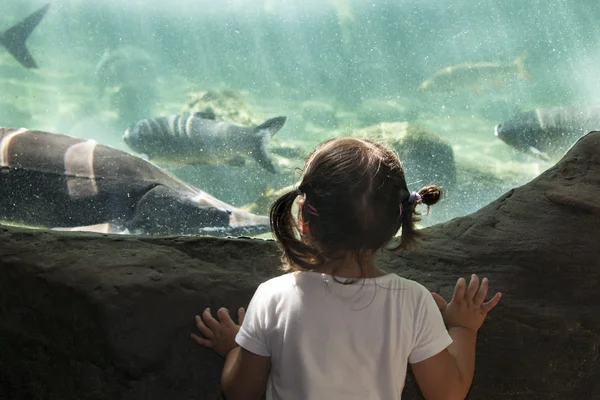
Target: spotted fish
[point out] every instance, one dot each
(198, 138)
(547, 133)
(57, 181)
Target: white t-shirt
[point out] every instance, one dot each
(332, 341)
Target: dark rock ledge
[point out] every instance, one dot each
(88, 316)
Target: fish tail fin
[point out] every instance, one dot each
(13, 39)
(108, 227)
(272, 126)
(247, 224)
(519, 64)
(265, 131)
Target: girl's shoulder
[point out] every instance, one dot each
(296, 279)
(285, 278)
(414, 288)
(276, 284)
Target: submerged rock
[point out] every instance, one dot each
(319, 113)
(268, 197)
(134, 102)
(103, 317)
(427, 158)
(13, 115)
(125, 65)
(375, 111)
(227, 105)
(127, 75)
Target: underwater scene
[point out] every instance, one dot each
(191, 117)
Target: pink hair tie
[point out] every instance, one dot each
(311, 210)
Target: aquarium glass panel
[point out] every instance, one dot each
(190, 117)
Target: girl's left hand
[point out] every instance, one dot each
(218, 335)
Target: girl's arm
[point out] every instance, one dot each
(449, 374)
(245, 374)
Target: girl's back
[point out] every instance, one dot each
(327, 340)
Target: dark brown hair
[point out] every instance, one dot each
(354, 190)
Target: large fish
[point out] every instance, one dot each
(547, 133)
(57, 181)
(13, 39)
(199, 138)
(474, 76)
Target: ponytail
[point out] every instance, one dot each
(297, 254)
(428, 195)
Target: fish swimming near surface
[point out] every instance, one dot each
(57, 181)
(13, 39)
(198, 138)
(547, 133)
(474, 76)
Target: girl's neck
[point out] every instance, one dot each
(350, 268)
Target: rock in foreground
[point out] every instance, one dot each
(101, 317)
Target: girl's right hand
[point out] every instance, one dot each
(466, 308)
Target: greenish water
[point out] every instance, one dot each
(358, 63)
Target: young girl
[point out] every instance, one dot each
(335, 326)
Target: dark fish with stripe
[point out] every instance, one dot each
(57, 181)
(13, 39)
(547, 133)
(199, 138)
